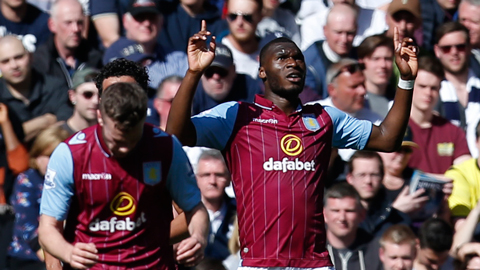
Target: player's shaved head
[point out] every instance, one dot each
(341, 11)
(266, 49)
(11, 40)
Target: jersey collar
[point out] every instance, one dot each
(267, 104)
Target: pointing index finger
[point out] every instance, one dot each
(204, 26)
(396, 41)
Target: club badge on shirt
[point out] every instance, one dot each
(310, 122)
(152, 172)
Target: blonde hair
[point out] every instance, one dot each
(398, 234)
(234, 242)
(45, 143)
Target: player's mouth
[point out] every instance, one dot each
(294, 77)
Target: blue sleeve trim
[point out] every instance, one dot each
(181, 181)
(58, 187)
(349, 132)
(215, 126)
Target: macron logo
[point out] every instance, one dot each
(96, 176)
(265, 121)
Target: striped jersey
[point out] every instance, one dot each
(123, 206)
(278, 164)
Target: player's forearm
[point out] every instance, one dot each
(198, 224)
(52, 263)
(178, 229)
(179, 122)
(389, 135)
(51, 239)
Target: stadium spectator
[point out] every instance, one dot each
(25, 21)
(466, 186)
(434, 242)
(365, 173)
(66, 51)
(13, 160)
(84, 98)
(258, 138)
(459, 93)
(143, 23)
(182, 20)
(37, 100)
(441, 143)
(469, 16)
(350, 247)
(434, 14)
(243, 17)
(369, 22)
(376, 53)
(278, 19)
(118, 142)
(397, 248)
(212, 179)
(405, 16)
(339, 30)
(24, 250)
(163, 100)
(106, 16)
(220, 83)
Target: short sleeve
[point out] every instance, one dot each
(181, 181)
(215, 126)
(348, 131)
(460, 202)
(58, 185)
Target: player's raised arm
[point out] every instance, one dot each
(200, 56)
(388, 136)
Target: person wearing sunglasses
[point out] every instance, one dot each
(220, 83)
(460, 102)
(278, 150)
(84, 98)
(242, 18)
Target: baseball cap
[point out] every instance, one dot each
(408, 138)
(336, 69)
(412, 6)
(83, 76)
(223, 57)
(136, 7)
(125, 48)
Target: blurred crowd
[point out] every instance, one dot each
(51, 52)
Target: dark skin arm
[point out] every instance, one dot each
(389, 135)
(199, 58)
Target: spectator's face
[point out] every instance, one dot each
(469, 15)
(14, 3)
(448, 4)
(430, 259)
(405, 22)
(427, 87)
(164, 102)
(14, 62)
(366, 177)
(270, 4)
(212, 178)
(397, 257)
(85, 98)
(342, 216)
(217, 82)
(340, 31)
(379, 66)
(68, 24)
(395, 162)
(119, 142)
(453, 51)
(348, 91)
(242, 28)
(143, 28)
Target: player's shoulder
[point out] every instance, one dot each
(155, 133)
(81, 137)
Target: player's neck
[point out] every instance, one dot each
(341, 242)
(13, 14)
(288, 106)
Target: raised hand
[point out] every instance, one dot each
(199, 55)
(405, 56)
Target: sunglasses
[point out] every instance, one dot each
(88, 94)
(220, 71)
(352, 68)
(247, 17)
(448, 48)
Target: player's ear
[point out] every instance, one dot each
(99, 118)
(261, 73)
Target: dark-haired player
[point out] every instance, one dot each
(114, 183)
(278, 150)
